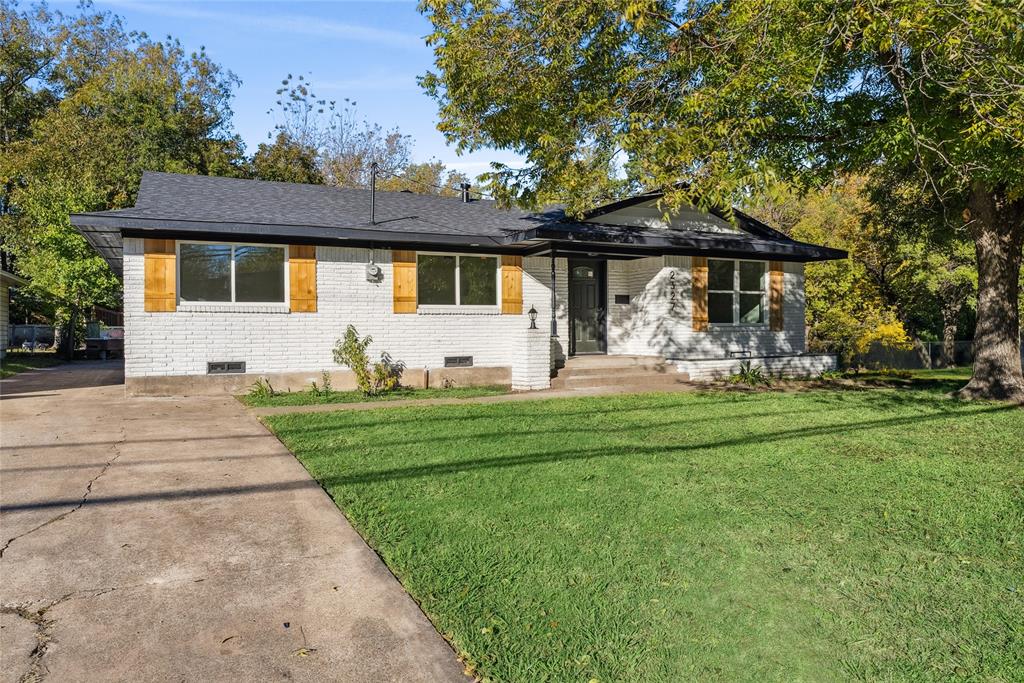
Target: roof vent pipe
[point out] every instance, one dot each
(465, 192)
(373, 193)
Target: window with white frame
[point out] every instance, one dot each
(456, 280)
(212, 272)
(736, 292)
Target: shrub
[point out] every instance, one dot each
(261, 389)
(325, 389)
(895, 372)
(750, 375)
(385, 375)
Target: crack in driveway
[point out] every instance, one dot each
(36, 670)
(116, 446)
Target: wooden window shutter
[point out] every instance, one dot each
(403, 266)
(700, 293)
(160, 276)
(511, 285)
(775, 295)
(302, 278)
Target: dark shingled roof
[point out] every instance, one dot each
(208, 207)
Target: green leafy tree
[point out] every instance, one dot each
(430, 177)
(113, 105)
(286, 160)
(934, 281)
(729, 95)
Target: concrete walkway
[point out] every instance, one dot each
(169, 539)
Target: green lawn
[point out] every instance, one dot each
(945, 380)
(815, 535)
(308, 398)
(15, 362)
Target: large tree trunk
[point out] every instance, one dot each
(997, 226)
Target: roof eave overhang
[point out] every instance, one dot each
(105, 232)
(547, 240)
(271, 232)
(12, 279)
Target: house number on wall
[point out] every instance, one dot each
(675, 298)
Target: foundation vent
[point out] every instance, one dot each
(228, 367)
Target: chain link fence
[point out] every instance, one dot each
(927, 356)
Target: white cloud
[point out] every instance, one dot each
(279, 23)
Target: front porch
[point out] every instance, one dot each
(651, 306)
(631, 321)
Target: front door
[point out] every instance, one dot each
(586, 306)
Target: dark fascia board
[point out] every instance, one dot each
(453, 247)
(692, 245)
(578, 248)
(153, 227)
(104, 232)
(754, 226)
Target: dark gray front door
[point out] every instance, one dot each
(586, 306)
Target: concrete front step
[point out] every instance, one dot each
(603, 361)
(652, 368)
(597, 372)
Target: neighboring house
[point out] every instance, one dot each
(7, 280)
(226, 276)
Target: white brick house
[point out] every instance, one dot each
(226, 280)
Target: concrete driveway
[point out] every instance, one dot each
(176, 539)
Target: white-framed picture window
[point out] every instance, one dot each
(737, 292)
(224, 272)
(467, 280)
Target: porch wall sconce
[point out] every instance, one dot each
(533, 317)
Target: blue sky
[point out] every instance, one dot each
(370, 52)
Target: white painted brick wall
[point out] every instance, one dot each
(809, 365)
(181, 343)
(657, 321)
(531, 366)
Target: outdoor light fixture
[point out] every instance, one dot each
(533, 317)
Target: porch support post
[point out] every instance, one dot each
(554, 299)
